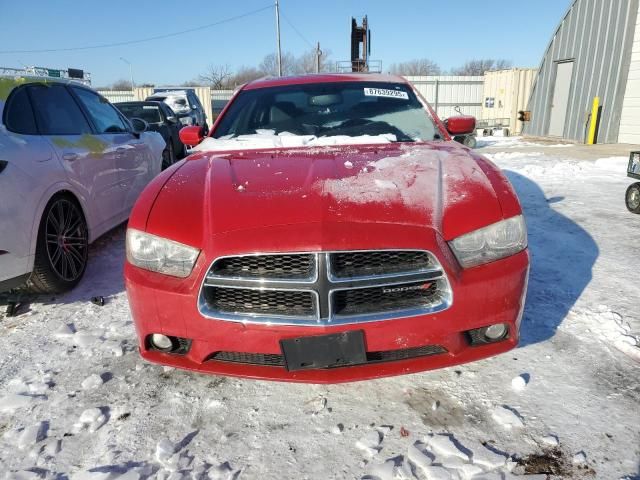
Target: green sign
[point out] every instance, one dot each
(53, 73)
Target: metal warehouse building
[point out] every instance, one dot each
(595, 52)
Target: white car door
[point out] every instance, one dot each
(133, 156)
(88, 159)
(28, 168)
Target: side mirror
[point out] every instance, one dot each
(138, 126)
(192, 135)
(172, 119)
(460, 124)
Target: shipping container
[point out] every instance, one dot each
(505, 93)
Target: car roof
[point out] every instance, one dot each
(323, 78)
(9, 82)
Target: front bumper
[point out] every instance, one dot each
(485, 295)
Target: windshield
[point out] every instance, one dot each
(148, 113)
(351, 109)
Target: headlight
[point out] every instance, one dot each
(491, 243)
(159, 254)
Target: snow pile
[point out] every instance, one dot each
(443, 456)
(520, 382)
(550, 440)
(370, 442)
(12, 402)
(269, 139)
(507, 417)
(611, 326)
(91, 419)
(92, 381)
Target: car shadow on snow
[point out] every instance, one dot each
(562, 258)
(104, 274)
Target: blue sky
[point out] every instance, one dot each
(445, 31)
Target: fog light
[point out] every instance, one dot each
(490, 334)
(161, 342)
(167, 344)
(496, 332)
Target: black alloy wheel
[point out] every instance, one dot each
(62, 248)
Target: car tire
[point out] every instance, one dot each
(632, 198)
(62, 247)
(470, 141)
(168, 155)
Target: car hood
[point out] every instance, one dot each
(439, 186)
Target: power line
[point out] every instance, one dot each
(296, 30)
(142, 40)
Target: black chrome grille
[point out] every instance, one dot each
(385, 298)
(385, 262)
(324, 288)
(288, 266)
(277, 360)
(261, 302)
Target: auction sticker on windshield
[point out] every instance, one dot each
(383, 92)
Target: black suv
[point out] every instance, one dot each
(161, 119)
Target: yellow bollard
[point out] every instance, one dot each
(594, 120)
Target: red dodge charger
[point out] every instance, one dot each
(327, 230)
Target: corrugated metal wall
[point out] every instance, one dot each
(630, 116)
(505, 93)
(445, 92)
(597, 36)
(219, 99)
(117, 95)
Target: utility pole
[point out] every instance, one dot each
(318, 55)
(279, 53)
(130, 71)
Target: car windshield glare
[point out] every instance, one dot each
(341, 109)
(148, 113)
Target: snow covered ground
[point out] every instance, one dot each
(76, 401)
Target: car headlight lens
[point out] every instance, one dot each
(159, 254)
(491, 243)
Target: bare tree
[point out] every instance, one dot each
(503, 64)
(420, 66)
(243, 75)
(306, 63)
(121, 85)
(269, 64)
(216, 76)
(478, 67)
(191, 83)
